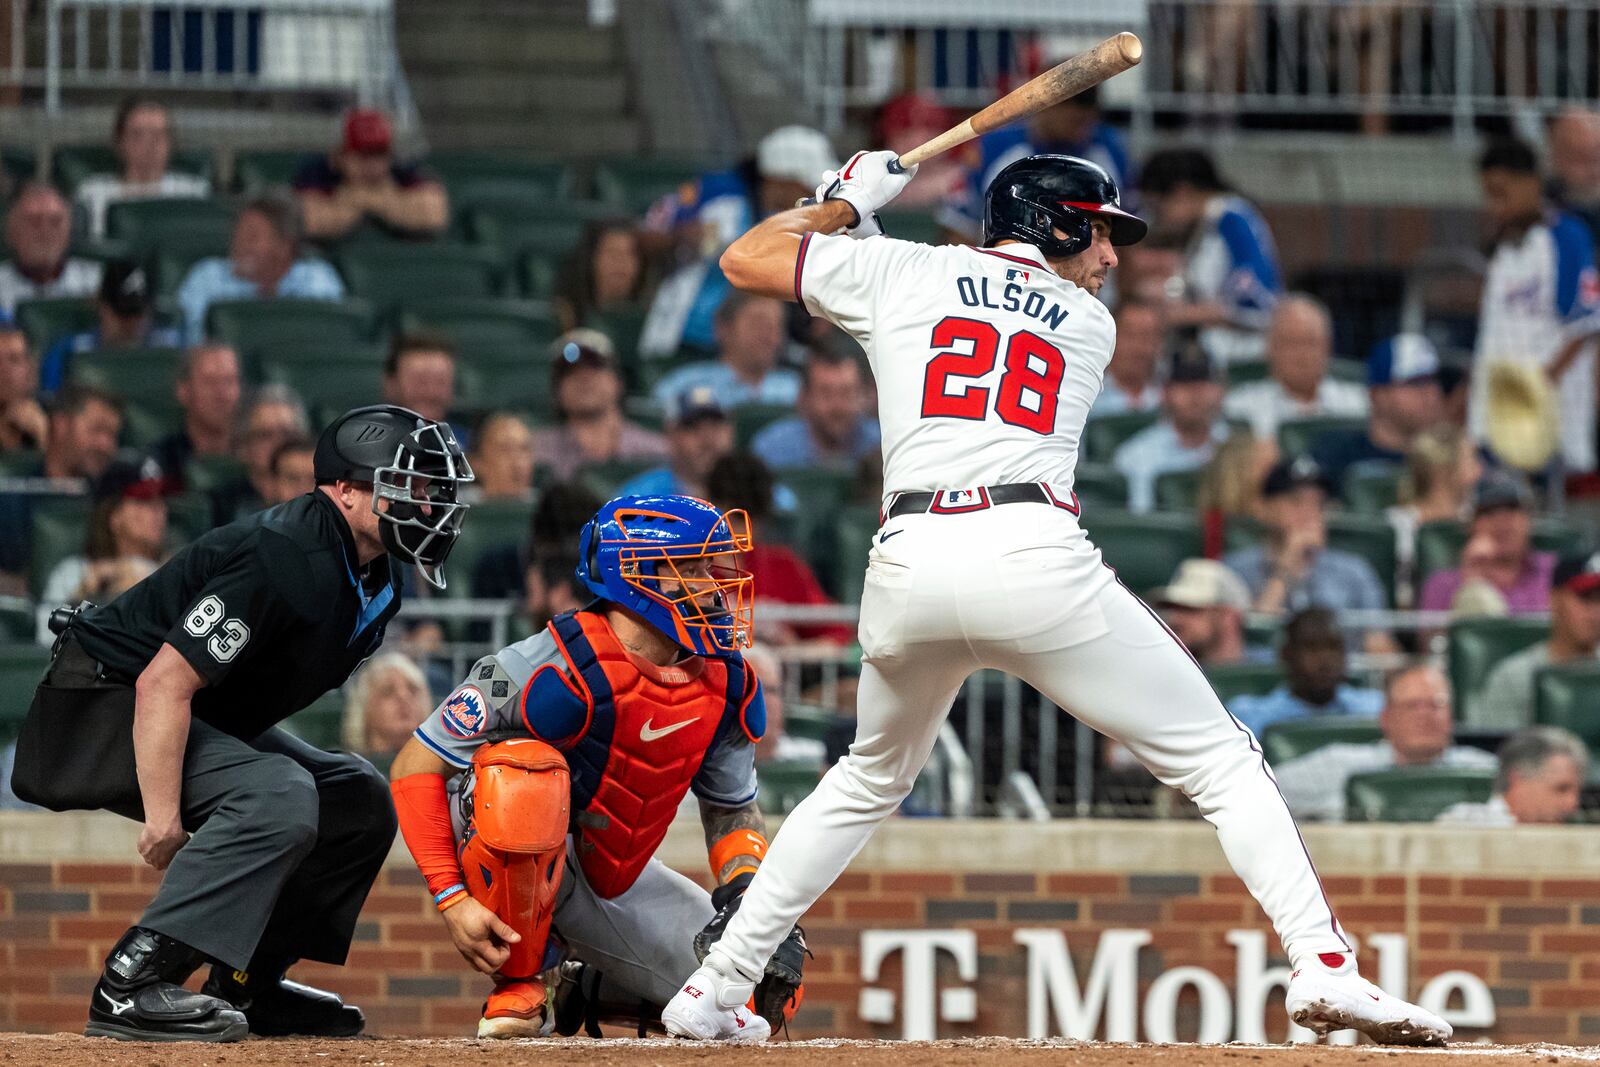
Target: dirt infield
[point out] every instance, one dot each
(62, 1050)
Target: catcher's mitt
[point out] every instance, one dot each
(779, 993)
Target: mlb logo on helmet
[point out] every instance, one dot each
(464, 712)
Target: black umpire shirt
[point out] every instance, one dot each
(272, 611)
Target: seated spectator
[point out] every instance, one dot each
(420, 374)
(587, 391)
(1403, 399)
(360, 183)
(750, 340)
(606, 272)
(142, 136)
(293, 470)
(38, 264)
(1574, 136)
(273, 415)
(1500, 572)
(508, 572)
(782, 576)
(698, 434)
(1442, 466)
(126, 320)
(387, 700)
(22, 421)
(1230, 271)
(776, 745)
(1506, 702)
(1313, 658)
(1417, 732)
(1292, 568)
(1190, 429)
(502, 458)
(126, 530)
(1204, 604)
(208, 391)
(263, 262)
(1130, 383)
(833, 429)
(1230, 487)
(1299, 349)
(1539, 782)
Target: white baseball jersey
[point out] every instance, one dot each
(987, 361)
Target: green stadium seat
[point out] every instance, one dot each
(60, 526)
(1569, 697)
(1295, 435)
(751, 419)
(21, 463)
(514, 378)
(537, 271)
(632, 184)
(1414, 794)
(205, 473)
(909, 224)
(144, 425)
(142, 376)
(491, 524)
(1177, 490)
(391, 275)
(1370, 489)
(1284, 741)
(1243, 373)
(486, 324)
(785, 783)
(471, 176)
(811, 722)
(70, 164)
(1238, 679)
(251, 325)
(1348, 370)
(324, 376)
(516, 224)
(18, 164)
(819, 495)
(146, 224)
(1100, 486)
(179, 250)
(840, 550)
(1143, 549)
(1370, 538)
(321, 724)
(1476, 647)
(49, 319)
(256, 172)
(1439, 544)
(605, 479)
(1104, 434)
(189, 515)
(22, 668)
(623, 325)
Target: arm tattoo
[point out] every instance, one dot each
(720, 821)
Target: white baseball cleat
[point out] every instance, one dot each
(1327, 994)
(712, 1007)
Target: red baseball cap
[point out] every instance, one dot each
(1581, 574)
(367, 132)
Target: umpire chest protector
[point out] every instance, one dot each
(649, 729)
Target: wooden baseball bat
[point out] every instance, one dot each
(1110, 57)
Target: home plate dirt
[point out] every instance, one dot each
(68, 1050)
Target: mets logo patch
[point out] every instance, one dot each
(465, 713)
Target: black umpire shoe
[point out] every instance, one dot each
(277, 1007)
(140, 996)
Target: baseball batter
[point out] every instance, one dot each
(987, 360)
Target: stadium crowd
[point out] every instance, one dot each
(168, 344)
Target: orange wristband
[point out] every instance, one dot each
(738, 843)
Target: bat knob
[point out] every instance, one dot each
(894, 167)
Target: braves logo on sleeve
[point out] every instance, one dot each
(465, 712)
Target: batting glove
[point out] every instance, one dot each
(866, 183)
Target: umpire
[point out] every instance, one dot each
(162, 706)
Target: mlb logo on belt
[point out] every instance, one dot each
(464, 713)
(956, 501)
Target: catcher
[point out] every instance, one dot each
(534, 798)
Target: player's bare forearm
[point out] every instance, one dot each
(762, 260)
(720, 821)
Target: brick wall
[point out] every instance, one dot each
(1534, 940)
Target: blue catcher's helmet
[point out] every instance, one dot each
(641, 553)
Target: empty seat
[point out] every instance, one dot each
(605, 479)
(1284, 741)
(516, 224)
(486, 324)
(751, 419)
(205, 473)
(623, 325)
(144, 376)
(146, 224)
(537, 270)
(322, 724)
(1177, 490)
(785, 783)
(633, 184)
(1143, 549)
(909, 224)
(49, 319)
(1296, 435)
(252, 325)
(391, 275)
(1371, 488)
(471, 176)
(189, 515)
(18, 164)
(490, 525)
(22, 667)
(1370, 538)
(1100, 486)
(1103, 434)
(177, 253)
(255, 172)
(515, 377)
(819, 495)
(841, 560)
(1413, 794)
(1237, 679)
(1476, 646)
(60, 529)
(1569, 697)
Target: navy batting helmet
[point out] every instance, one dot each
(1033, 197)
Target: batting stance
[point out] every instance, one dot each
(987, 360)
(568, 754)
(162, 706)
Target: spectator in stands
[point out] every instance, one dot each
(1539, 782)
(782, 576)
(420, 374)
(263, 262)
(1506, 701)
(1442, 466)
(142, 137)
(907, 121)
(606, 272)
(587, 391)
(273, 415)
(833, 429)
(1417, 732)
(698, 434)
(126, 320)
(1230, 487)
(1575, 164)
(1204, 604)
(1230, 274)
(388, 699)
(38, 263)
(23, 423)
(208, 390)
(1313, 655)
(1499, 571)
(1130, 383)
(293, 468)
(360, 182)
(750, 340)
(1189, 431)
(502, 458)
(126, 530)
(1299, 349)
(1541, 299)
(1292, 568)
(1403, 399)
